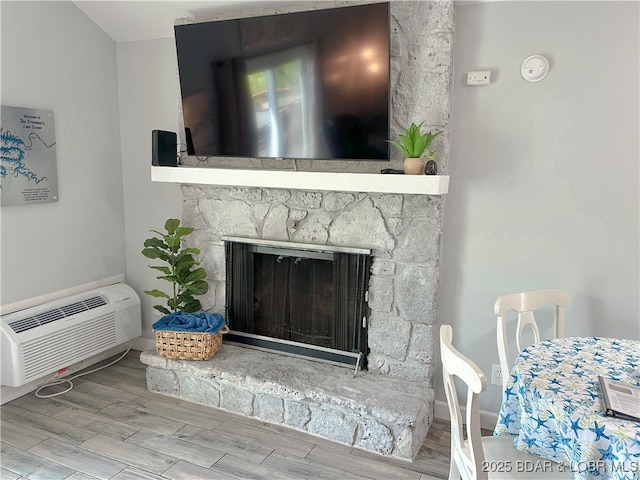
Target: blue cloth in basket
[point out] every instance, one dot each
(191, 322)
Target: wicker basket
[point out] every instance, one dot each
(188, 345)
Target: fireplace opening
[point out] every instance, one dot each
(298, 299)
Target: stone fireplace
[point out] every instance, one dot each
(388, 408)
(402, 232)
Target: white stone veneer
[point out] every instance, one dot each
(403, 232)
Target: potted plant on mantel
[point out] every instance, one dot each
(413, 147)
(185, 332)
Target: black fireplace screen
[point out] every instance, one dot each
(305, 302)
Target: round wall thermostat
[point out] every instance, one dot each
(535, 68)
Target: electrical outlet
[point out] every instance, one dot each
(479, 78)
(496, 375)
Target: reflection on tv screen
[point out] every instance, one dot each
(307, 85)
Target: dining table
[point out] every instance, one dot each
(553, 406)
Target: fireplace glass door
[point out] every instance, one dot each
(298, 301)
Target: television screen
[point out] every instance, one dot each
(304, 85)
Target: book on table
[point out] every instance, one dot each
(621, 400)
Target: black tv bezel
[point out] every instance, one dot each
(285, 163)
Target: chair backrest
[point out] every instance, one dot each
(524, 304)
(467, 457)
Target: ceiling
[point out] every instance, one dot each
(127, 21)
(133, 20)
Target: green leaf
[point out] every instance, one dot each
(420, 146)
(173, 304)
(165, 270)
(413, 132)
(199, 287)
(174, 243)
(155, 242)
(192, 307)
(198, 274)
(169, 278)
(430, 136)
(407, 142)
(152, 252)
(185, 252)
(171, 225)
(185, 263)
(185, 255)
(184, 295)
(156, 293)
(162, 309)
(183, 269)
(182, 231)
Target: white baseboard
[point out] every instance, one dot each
(488, 419)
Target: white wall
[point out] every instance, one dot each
(149, 94)
(544, 176)
(55, 58)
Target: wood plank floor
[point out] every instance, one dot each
(111, 427)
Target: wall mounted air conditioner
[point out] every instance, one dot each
(41, 340)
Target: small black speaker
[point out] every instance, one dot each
(164, 148)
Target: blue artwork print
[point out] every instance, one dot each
(28, 169)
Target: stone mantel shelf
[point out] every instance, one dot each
(299, 180)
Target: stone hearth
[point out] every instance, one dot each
(386, 416)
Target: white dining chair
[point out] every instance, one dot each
(479, 457)
(524, 304)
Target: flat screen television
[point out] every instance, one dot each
(303, 85)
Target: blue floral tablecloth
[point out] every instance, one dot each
(552, 403)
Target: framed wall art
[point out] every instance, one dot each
(28, 167)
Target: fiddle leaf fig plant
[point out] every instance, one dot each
(413, 142)
(180, 269)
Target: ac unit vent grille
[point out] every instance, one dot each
(94, 302)
(24, 324)
(49, 316)
(68, 344)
